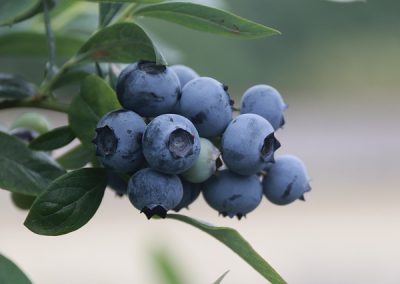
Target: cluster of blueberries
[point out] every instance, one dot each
(194, 142)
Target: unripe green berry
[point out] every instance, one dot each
(32, 120)
(206, 165)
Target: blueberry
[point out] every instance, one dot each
(118, 140)
(286, 180)
(154, 193)
(207, 104)
(117, 183)
(184, 73)
(25, 134)
(148, 89)
(171, 144)
(266, 101)
(190, 193)
(206, 164)
(248, 143)
(231, 194)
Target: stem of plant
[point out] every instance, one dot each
(51, 43)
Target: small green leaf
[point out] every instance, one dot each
(23, 170)
(123, 42)
(219, 280)
(35, 44)
(15, 87)
(10, 273)
(206, 19)
(68, 203)
(76, 158)
(96, 98)
(237, 243)
(107, 11)
(54, 139)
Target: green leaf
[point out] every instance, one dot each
(68, 203)
(96, 98)
(10, 273)
(23, 170)
(14, 11)
(76, 158)
(206, 19)
(34, 44)
(219, 280)
(107, 11)
(54, 139)
(15, 87)
(235, 242)
(123, 42)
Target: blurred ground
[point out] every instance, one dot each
(346, 232)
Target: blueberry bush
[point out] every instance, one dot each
(159, 134)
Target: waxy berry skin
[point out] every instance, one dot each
(207, 104)
(248, 144)
(171, 144)
(148, 89)
(265, 101)
(154, 193)
(184, 73)
(118, 141)
(191, 192)
(286, 180)
(232, 194)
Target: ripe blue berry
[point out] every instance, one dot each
(265, 101)
(154, 193)
(233, 195)
(171, 144)
(184, 73)
(248, 143)
(25, 134)
(207, 104)
(286, 180)
(148, 89)
(190, 193)
(118, 140)
(206, 164)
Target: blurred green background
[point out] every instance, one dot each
(338, 67)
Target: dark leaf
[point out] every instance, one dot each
(23, 170)
(76, 158)
(54, 139)
(122, 42)
(10, 273)
(68, 203)
(96, 98)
